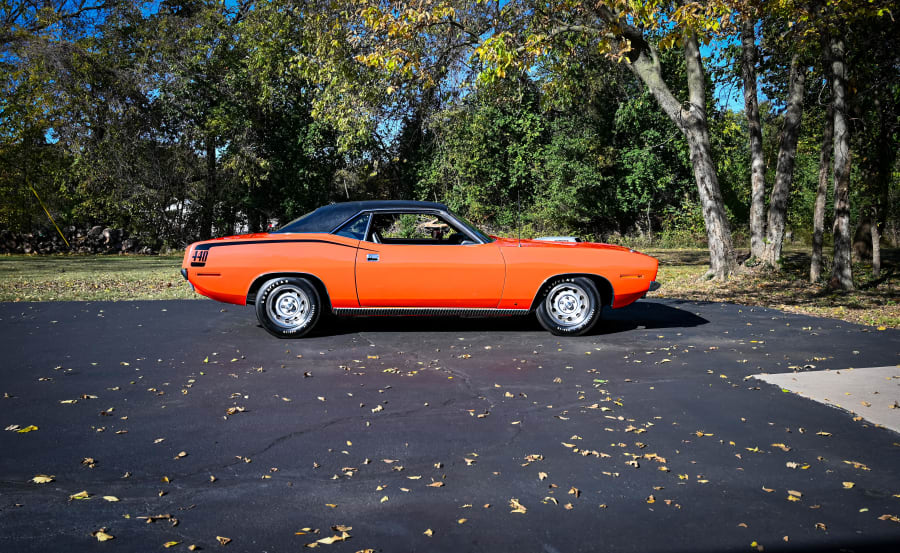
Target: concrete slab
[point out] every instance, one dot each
(872, 393)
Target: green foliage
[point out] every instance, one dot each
(193, 117)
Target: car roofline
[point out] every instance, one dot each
(411, 209)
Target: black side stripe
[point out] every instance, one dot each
(203, 247)
(249, 242)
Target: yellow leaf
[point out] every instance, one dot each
(181, 454)
(462, 521)
(102, 536)
(383, 499)
(29, 428)
(223, 540)
(848, 485)
(42, 479)
(80, 495)
(428, 532)
(516, 506)
(169, 544)
(542, 475)
(111, 498)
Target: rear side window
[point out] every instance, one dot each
(356, 228)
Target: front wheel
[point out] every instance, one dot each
(288, 307)
(569, 306)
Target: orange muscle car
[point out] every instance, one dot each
(412, 258)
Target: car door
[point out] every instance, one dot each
(429, 275)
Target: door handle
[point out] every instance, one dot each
(372, 257)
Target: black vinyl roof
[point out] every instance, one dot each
(327, 218)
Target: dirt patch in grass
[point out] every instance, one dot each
(94, 277)
(875, 302)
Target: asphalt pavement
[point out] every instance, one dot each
(185, 422)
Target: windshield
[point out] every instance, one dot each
(472, 228)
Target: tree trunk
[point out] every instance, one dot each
(208, 202)
(757, 163)
(784, 171)
(815, 265)
(690, 118)
(876, 247)
(841, 270)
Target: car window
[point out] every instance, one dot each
(355, 228)
(414, 228)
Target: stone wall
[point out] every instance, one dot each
(96, 240)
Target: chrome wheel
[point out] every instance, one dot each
(568, 304)
(288, 307)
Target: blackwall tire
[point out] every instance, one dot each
(288, 307)
(569, 306)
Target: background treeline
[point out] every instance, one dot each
(179, 120)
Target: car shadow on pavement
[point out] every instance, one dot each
(640, 315)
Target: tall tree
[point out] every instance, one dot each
(749, 55)
(841, 269)
(784, 170)
(815, 265)
(405, 47)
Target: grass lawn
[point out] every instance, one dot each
(91, 277)
(118, 277)
(874, 302)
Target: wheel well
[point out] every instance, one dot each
(603, 286)
(260, 280)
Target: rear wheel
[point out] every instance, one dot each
(569, 306)
(288, 307)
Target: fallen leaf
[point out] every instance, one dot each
(111, 498)
(516, 506)
(428, 532)
(223, 540)
(29, 428)
(848, 485)
(42, 479)
(542, 475)
(102, 535)
(437, 484)
(169, 544)
(181, 455)
(574, 491)
(857, 465)
(462, 521)
(80, 495)
(821, 526)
